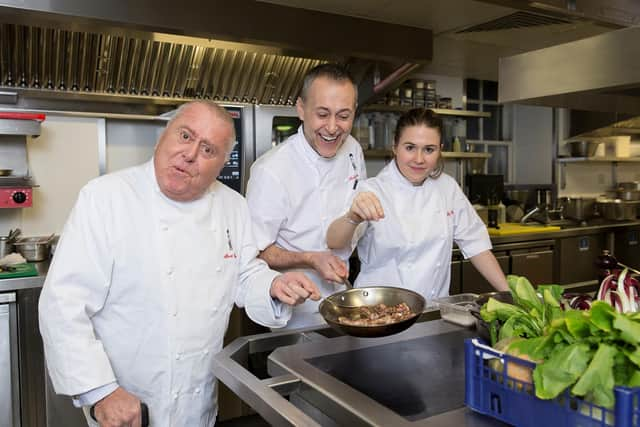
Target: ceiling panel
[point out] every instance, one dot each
(436, 15)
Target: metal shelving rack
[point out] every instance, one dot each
(613, 160)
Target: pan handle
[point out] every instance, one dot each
(476, 314)
(144, 414)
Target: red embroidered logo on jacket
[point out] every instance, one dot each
(230, 253)
(450, 213)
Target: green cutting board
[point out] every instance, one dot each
(22, 270)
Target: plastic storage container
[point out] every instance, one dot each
(455, 308)
(495, 394)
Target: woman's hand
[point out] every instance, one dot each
(366, 207)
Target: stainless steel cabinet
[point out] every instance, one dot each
(627, 247)
(577, 256)
(536, 264)
(456, 273)
(9, 397)
(472, 280)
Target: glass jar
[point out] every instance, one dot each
(406, 94)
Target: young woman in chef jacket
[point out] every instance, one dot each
(405, 220)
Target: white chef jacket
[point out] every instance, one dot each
(140, 291)
(411, 246)
(294, 194)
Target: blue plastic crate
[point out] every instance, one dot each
(495, 394)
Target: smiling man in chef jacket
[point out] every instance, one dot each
(149, 265)
(298, 187)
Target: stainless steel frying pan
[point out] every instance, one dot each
(344, 302)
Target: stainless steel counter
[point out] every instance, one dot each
(567, 232)
(415, 378)
(19, 283)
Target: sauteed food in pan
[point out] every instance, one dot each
(379, 314)
(371, 311)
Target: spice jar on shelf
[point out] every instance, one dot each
(406, 94)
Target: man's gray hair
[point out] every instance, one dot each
(331, 71)
(219, 111)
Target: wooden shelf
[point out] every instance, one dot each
(387, 154)
(441, 111)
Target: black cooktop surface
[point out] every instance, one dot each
(416, 379)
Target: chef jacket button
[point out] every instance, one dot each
(197, 390)
(174, 314)
(206, 351)
(218, 269)
(178, 356)
(175, 395)
(170, 272)
(437, 264)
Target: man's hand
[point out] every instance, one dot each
(329, 266)
(294, 288)
(119, 409)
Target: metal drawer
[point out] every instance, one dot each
(535, 265)
(472, 280)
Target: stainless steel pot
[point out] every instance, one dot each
(578, 208)
(7, 242)
(344, 302)
(632, 185)
(582, 148)
(6, 246)
(629, 195)
(617, 210)
(34, 248)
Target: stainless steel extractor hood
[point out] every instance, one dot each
(600, 73)
(146, 53)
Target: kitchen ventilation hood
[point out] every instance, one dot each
(600, 73)
(144, 53)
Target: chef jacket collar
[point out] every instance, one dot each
(322, 164)
(397, 176)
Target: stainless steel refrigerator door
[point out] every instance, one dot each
(264, 116)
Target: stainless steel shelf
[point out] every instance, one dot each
(599, 159)
(19, 127)
(563, 161)
(441, 111)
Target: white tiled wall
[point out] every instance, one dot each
(61, 160)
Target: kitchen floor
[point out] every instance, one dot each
(248, 421)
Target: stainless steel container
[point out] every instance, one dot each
(582, 148)
(629, 195)
(578, 208)
(34, 248)
(617, 210)
(6, 246)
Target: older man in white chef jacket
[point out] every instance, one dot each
(151, 260)
(297, 188)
